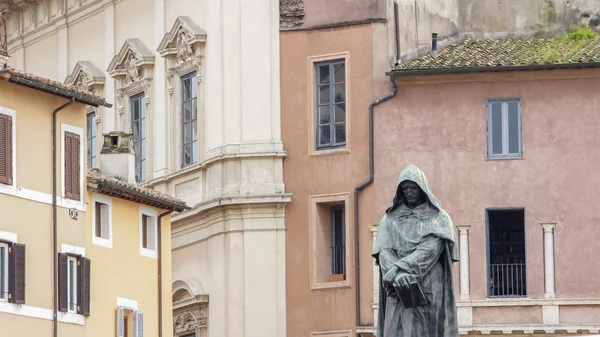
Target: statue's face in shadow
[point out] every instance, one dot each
(413, 194)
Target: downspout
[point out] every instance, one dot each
(361, 187)
(54, 225)
(159, 250)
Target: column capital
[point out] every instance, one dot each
(548, 226)
(463, 228)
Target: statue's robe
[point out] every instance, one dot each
(421, 242)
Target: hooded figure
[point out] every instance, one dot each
(416, 244)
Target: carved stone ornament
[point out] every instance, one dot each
(86, 77)
(186, 321)
(134, 63)
(184, 50)
(133, 73)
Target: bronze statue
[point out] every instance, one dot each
(415, 248)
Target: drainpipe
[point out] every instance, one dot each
(397, 33)
(361, 187)
(54, 225)
(159, 251)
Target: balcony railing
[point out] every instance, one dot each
(508, 280)
(3, 34)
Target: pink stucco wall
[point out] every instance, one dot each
(441, 127)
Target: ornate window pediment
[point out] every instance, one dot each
(183, 47)
(133, 67)
(86, 76)
(190, 309)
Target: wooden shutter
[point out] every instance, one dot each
(84, 282)
(18, 295)
(62, 282)
(72, 163)
(76, 158)
(120, 322)
(6, 149)
(138, 324)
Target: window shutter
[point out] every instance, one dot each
(18, 273)
(84, 297)
(120, 322)
(5, 149)
(62, 282)
(75, 167)
(68, 174)
(138, 324)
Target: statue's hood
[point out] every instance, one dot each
(415, 174)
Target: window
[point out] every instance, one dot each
(74, 283)
(330, 104)
(189, 119)
(71, 166)
(148, 233)
(6, 149)
(338, 244)
(102, 220)
(506, 240)
(12, 272)
(92, 145)
(328, 240)
(138, 126)
(126, 315)
(504, 128)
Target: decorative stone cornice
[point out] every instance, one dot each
(86, 76)
(182, 40)
(133, 63)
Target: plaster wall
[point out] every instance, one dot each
(439, 124)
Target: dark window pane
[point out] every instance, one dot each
(187, 111)
(186, 88)
(340, 112)
(339, 73)
(324, 114)
(340, 93)
(187, 154)
(194, 86)
(194, 109)
(194, 131)
(513, 127)
(496, 128)
(136, 109)
(323, 74)
(340, 133)
(324, 94)
(324, 134)
(187, 133)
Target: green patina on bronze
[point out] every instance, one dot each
(580, 45)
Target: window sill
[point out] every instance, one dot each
(41, 197)
(504, 158)
(107, 243)
(330, 285)
(330, 152)
(35, 312)
(148, 253)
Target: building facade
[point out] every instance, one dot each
(197, 85)
(66, 266)
(343, 64)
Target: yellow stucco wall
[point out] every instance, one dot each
(121, 271)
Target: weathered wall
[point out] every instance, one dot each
(456, 19)
(441, 127)
(310, 13)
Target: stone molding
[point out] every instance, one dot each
(190, 309)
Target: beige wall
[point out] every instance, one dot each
(439, 125)
(309, 174)
(121, 271)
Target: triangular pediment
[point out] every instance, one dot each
(184, 34)
(85, 76)
(133, 54)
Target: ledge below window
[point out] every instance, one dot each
(41, 313)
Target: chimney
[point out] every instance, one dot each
(117, 157)
(434, 37)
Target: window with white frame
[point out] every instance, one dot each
(504, 131)
(72, 284)
(331, 104)
(148, 232)
(138, 128)
(92, 140)
(3, 271)
(12, 269)
(189, 119)
(102, 220)
(130, 322)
